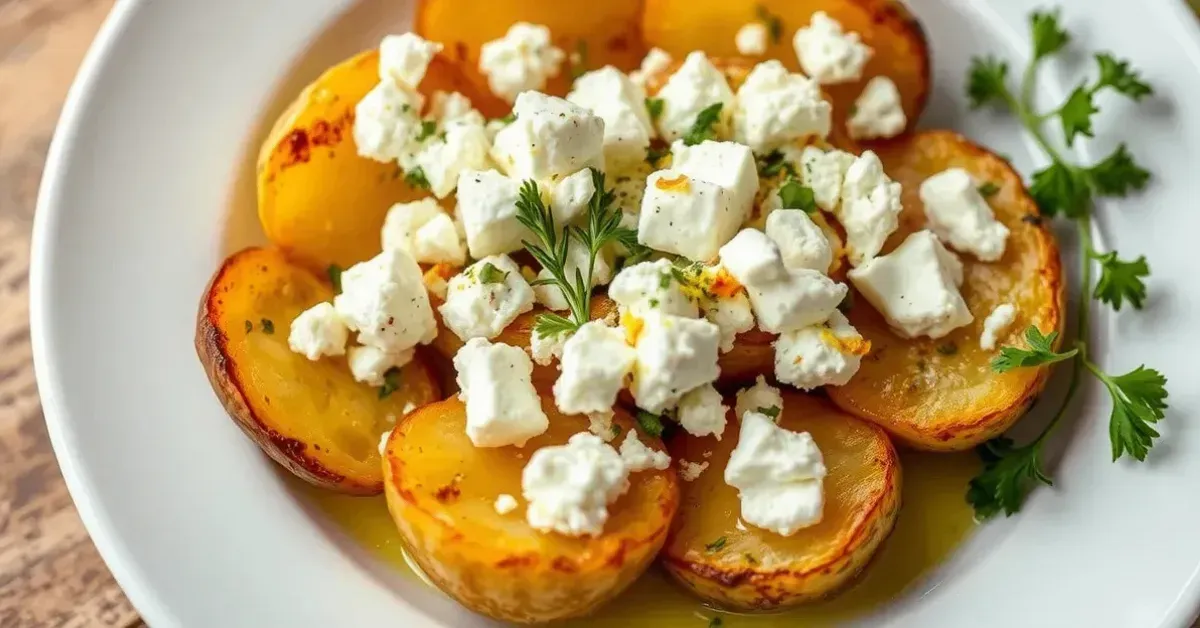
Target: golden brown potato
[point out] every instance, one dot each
(942, 394)
(609, 31)
(901, 52)
(311, 417)
(739, 566)
(441, 490)
(318, 199)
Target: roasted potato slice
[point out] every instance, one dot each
(318, 199)
(603, 33)
(311, 417)
(742, 567)
(441, 490)
(942, 394)
(901, 52)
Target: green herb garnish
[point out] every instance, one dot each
(335, 277)
(772, 412)
(988, 189)
(715, 545)
(793, 195)
(268, 326)
(416, 178)
(428, 128)
(651, 424)
(773, 23)
(391, 382)
(704, 128)
(490, 274)
(654, 106)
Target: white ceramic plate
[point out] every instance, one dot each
(198, 526)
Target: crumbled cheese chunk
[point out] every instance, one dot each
(570, 197)
(824, 172)
(995, 324)
(638, 457)
(544, 349)
(569, 487)
(801, 242)
(550, 139)
(610, 94)
(779, 475)
(437, 242)
(651, 287)
(819, 355)
(487, 206)
(915, 287)
(689, 471)
(752, 258)
(601, 424)
(674, 356)
(495, 382)
(695, 86)
(461, 147)
(628, 186)
(370, 364)
(870, 208)
(453, 106)
(655, 61)
(829, 54)
(731, 314)
(318, 331)
(404, 58)
(551, 296)
(386, 121)
(961, 217)
(685, 215)
(402, 222)
(776, 107)
(701, 412)
(751, 39)
(385, 301)
(878, 112)
(761, 397)
(728, 164)
(505, 504)
(522, 60)
(478, 306)
(594, 364)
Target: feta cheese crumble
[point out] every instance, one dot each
(318, 331)
(828, 53)
(638, 457)
(550, 294)
(685, 215)
(370, 364)
(961, 217)
(824, 172)
(595, 363)
(461, 146)
(655, 61)
(651, 287)
(870, 208)
(483, 299)
(404, 58)
(727, 164)
(801, 242)
(701, 412)
(878, 112)
(424, 231)
(779, 475)
(505, 504)
(776, 107)
(694, 87)
(550, 139)
(385, 301)
(995, 324)
(569, 487)
(487, 206)
(731, 314)
(751, 39)
(674, 356)
(610, 94)
(495, 382)
(386, 121)
(819, 355)
(544, 349)
(915, 287)
(522, 60)
(761, 397)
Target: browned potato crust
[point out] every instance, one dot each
(742, 567)
(441, 489)
(310, 417)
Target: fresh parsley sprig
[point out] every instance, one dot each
(704, 128)
(1065, 189)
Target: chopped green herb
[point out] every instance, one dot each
(615, 430)
(335, 277)
(655, 107)
(428, 128)
(391, 382)
(773, 23)
(650, 423)
(792, 195)
(715, 545)
(268, 326)
(249, 327)
(774, 163)
(704, 128)
(508, 119)
(1041, 351)
(416, 178)
(772, 412)
(654, 155)
(490, 274)
(988, 189)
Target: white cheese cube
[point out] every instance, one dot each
(695, 86)
(595, 362)
(550, 139)
(505, 504)
(402, 222)
(569, 487)
(628, 188)
(386, 122)
(485, 298)
(878, 112)
(961, 217)
(453, 106)
(495, 382)
(610, 94)
(487, 206)
(870, 208)
(761, 397)
(701, 412)
(369, 364)
(751, 39)
(437, 242)
(570, 197)
(318, 331)
(651, 287)
(915, 287)
(732, 315)
(753, 258)
(461, 147)
(655, 62)
(674, 355)
(638, 457)
(801, 242)
(544, 349)
(385, 301)
(779, 475)
(522, 60)
(551, 296)
(829, 54)
(804, 297)
(995, 324)
(404, 58)
(686, 216)
(728, 164)
(828, 353)
(776, 107)
(824, 172)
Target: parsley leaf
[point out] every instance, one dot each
(335, 277)
(1139, 398)
(428, 128)
(416, 178)
(1115, 73)
(988, 189)
(1117, 174)
(1048, 36)
(704, 126)
(715, 545)
(986, 81)
(490, 274)
(1007, 477)
(650, 423)
(391, 382)
(1121, 280)
(773, 163)
(1076, 114)
(508, 119)
(268, 326)
(654, 106)
(249, 327)
(1060, 189)
(773, 23)
(792, 195)
(772, 412)
(1041, 351)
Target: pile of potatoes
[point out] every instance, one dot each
(320, 204)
